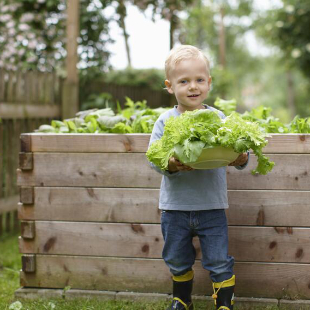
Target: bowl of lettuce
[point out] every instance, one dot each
(214, 157)
(193, 133)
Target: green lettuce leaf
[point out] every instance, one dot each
(185, 136)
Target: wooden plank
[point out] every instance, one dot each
(28, 89)
(269, 208)
(34, 110)
(1, 155)
(288, 143)
(152, 275)
(40, 89)
(9, 165)
(29, 263)
(7, 219)
(133, 170)
(34, 87)
(278, 143)
(25, 143)
(108, 170)
(102, 204)
(25, 161)
(291, 172)
(2, 85)
(89, 143)
(251, 244)
(15, 153)
(47, 86)
(255, 208)
(9, 204)
(50, 88)
(28, 230)
(27, 195)
(11, 87)
(16, 223)
(20, 83)
(95, 239)
(1, 224)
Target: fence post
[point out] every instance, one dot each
(70, 95)
(1, 173)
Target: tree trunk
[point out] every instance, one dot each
(122, 13)
(222, 44)
(173, 26)
(200, 35)
(126, 36)
(290, 93)
(171, 34)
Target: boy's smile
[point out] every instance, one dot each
(190, 82)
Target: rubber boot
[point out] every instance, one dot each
(182, 292)
(224, 294)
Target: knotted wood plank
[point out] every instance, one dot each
(152, 275)
(131, 170)
(85, 143)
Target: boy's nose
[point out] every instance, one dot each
(193, 85)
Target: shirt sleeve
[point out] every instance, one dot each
(157, 133)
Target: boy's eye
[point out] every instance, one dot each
(183, 82)
(200, 80)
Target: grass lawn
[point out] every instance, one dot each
(10, 264)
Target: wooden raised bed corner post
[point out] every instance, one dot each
(90, 218)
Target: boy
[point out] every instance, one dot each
(193, 202)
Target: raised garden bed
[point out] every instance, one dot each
(90, 219)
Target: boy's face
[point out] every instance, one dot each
(190, 83)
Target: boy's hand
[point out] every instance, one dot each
(241, 160)
(175, 165)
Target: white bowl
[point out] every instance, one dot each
(215, 157)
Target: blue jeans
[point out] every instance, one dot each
(179, 228)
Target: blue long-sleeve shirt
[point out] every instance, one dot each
(190, 190)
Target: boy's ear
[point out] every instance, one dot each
(169, 86)
(210, 81)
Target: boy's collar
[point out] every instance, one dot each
(176, 108)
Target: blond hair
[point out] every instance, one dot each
(183, 52)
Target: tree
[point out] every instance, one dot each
(122, 13)
(287, 28)
(215, 27)
(32, 34)
(168, 10)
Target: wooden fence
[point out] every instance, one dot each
(27, 100)
(90, 220)
(154, 98)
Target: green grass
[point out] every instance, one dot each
(10, 264)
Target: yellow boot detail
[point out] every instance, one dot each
(226, 283)
(185, 277)
(223, 307)
(218, 285)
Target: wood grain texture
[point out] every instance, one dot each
(8, 204)
(269, 208)
(253, 244)
(20, 111)
(90, 143)
(26, 195)
(25, 161)
(278, 143)
(291, 172)
(136, 205)
(137, 275)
